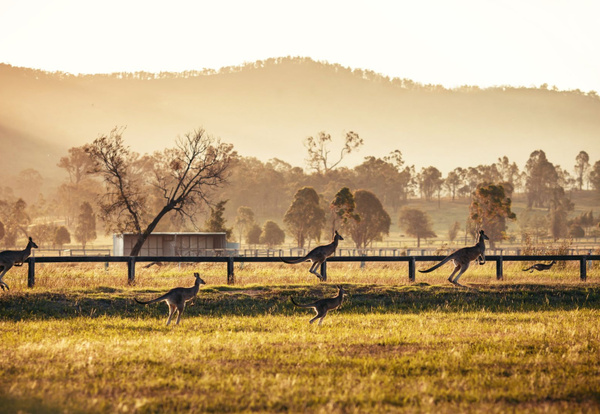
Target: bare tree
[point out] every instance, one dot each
(318, 150)
(182, 177)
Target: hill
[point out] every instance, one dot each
(267, 108)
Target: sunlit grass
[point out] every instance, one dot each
(78, 342)
(432, 362)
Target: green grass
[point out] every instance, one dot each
(79, 343)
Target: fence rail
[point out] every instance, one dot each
(230, 261)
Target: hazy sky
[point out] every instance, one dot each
(478, 42)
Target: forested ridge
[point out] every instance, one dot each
(419, 142)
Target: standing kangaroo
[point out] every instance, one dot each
(10, 258)
(318, 255)
(462, 258)
(322, 306)
(540, 266)
(176, 298)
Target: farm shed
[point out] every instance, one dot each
(172, 244)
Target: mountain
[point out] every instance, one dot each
(267, 108)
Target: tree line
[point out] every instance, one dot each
(201, 183)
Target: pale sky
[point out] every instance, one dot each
(453, 43)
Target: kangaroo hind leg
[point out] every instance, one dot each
(172, 309)
(179, 313)
(456, 269)
(5, 268)
(463, 269)
(313, 270)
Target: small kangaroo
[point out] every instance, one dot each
(176, 298)
(10, 258)
(462, 258)
(322, 306)
(540, 266)
(318, 255)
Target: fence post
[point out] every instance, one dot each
(582, 269)
(500, 269)
(411, 269)
(324, 271)
(31, 272)
(131, 270)
(230, 274)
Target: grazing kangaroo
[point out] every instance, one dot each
(322, 306)
(462, 258)
(318, 255)
(10, 258)
(176, 298)
(540, 266)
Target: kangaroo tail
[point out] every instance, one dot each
(437, 265)
(294, 261)
(148, 302)
(299, 305)
(529, 268)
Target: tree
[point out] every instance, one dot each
(342, 209)
(453, 231)
(595, 176)
(416, 223)
(253, 235)
(80, 186)
(454, 181)
(86, 224)
(509, 173)
(582, 164)
(489, 209)
(386, 178)
(305, 218)
(78, 165)
(374, 220)
(182, 177)
(272, 235)
(61, 237)
(430, 182)
(560, 205)
(15, 219)
(244, 220)
(216, 221)
(318, 151)
(541, 179)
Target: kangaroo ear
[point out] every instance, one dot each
(30, 239)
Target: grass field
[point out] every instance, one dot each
(77, 342)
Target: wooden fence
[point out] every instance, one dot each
(131, 261)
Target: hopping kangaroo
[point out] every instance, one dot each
(462, 258)
(318, 255)
(322, 306)
(176, 298)
(540, 266)
(10, 258)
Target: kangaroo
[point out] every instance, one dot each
(462, 258)
(540, 266)
(10, 258)
(176, 298)
(322, 306)
(318, 255)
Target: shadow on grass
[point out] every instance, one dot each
(29, 405)
(261, 300)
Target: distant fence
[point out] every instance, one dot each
(131, 262)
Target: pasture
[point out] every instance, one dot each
(78, 342)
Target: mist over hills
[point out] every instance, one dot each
(266, 109)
